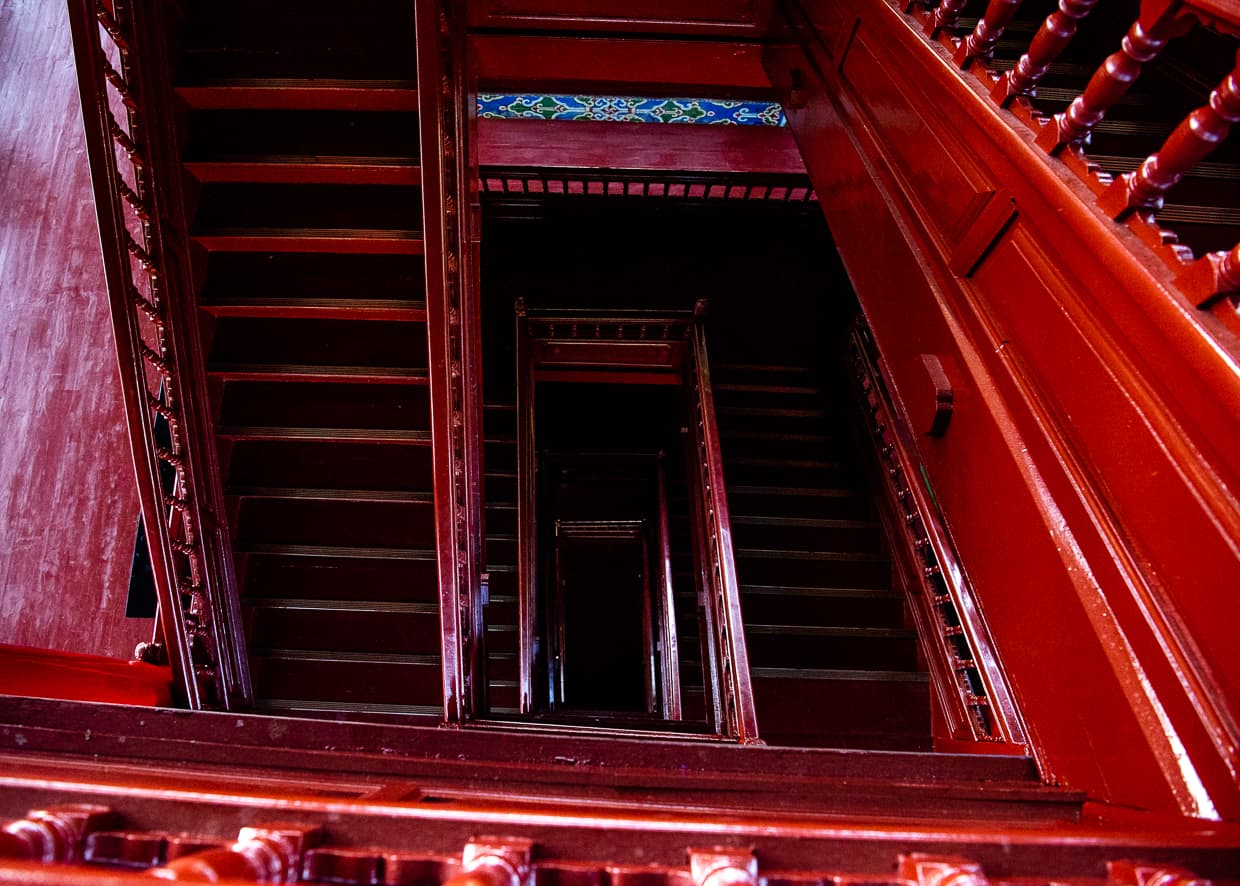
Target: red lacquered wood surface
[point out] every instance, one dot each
(577, 144)
(68, 508)
(47, 674)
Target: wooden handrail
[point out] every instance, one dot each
(665, 606)
(740, 716)
(159, 351)
(527, 522)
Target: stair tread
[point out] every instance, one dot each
(840, 674)
(341, 605)
(379, 435)
(318, 308)
(752, 388)
(339, 552)
(831, 631)
(393, 495)
(285, 654)
(807, 522)
(804, 591)
(295, 704)
(312, 372)
(301, 94)
(823, 492)
(375, 241)
(769, 412)
(786, 554)
(308, 170)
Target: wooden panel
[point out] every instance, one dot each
(1056, 372)
(68, 508)
(697, 69)
(687, 17)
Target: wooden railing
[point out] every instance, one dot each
(1205, 279)
(966, 675)
(157, 344)
(739, 716)
(665, 605)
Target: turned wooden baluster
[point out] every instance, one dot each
(1192, 141)
(1050, 40)
(981, 42)
(1135, 873)
(269, 854)
(490, 861)
(722, 867)
(52, 835)
(945, 16)
(1144, 40)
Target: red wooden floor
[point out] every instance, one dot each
(67, 504)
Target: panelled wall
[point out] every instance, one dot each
(1089, 474)
(68, 509)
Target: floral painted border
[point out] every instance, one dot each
(625, 109)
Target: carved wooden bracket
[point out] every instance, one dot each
(941, 870)
(723, 867)
(53, 835)
(943, 395)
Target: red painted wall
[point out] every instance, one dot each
(68, 509)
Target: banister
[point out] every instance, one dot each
(199, 611)
(740, 715)
(1192, 141)
(669, 644)
(527, 524)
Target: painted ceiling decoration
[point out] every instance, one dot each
(629, 109)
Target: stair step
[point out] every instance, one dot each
(350, 679)
(308, 170)
(752, 388)
(244, 277)
(831, 648)
(330, 463)
(335, 523)
(307, 706)
(338, 552)
(808, 533)
(767, 412)
(395, 495)
(291, 372)
(270, 94)
(351, 240)
(275, 571)
(369, 435)
(406, 310)
(369, 633)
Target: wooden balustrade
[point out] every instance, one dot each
(494, 862)
(945, 16)
(1144, 41)
(266, 854)
(159, 347)
(1192, 141)
(52, 835)
(1047, 44)
(1211, 277)
(665, 606)
(980, 43)
(739, 714)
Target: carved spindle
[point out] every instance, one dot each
(52, 835)
(981, 42)
(1135, 873)
(722, 867)
(1050, 40)
(1111, 81)
(494, 861)
(270, 854)
(1211, 276)
(946, 16)
(936, 870)
(1192, 141)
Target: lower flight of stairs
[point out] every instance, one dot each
(301, 158)
(832, 659)
(501, 611)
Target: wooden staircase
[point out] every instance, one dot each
(832, 659)
(302, 139)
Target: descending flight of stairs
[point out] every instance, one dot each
(832, 660)
(302, 139)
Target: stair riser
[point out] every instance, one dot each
(272, 521)
(344, 631)
(356, 683)
(839, 652)
(324, 578)
(875, 612)
(316, 465)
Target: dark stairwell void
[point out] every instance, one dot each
(834, 659)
